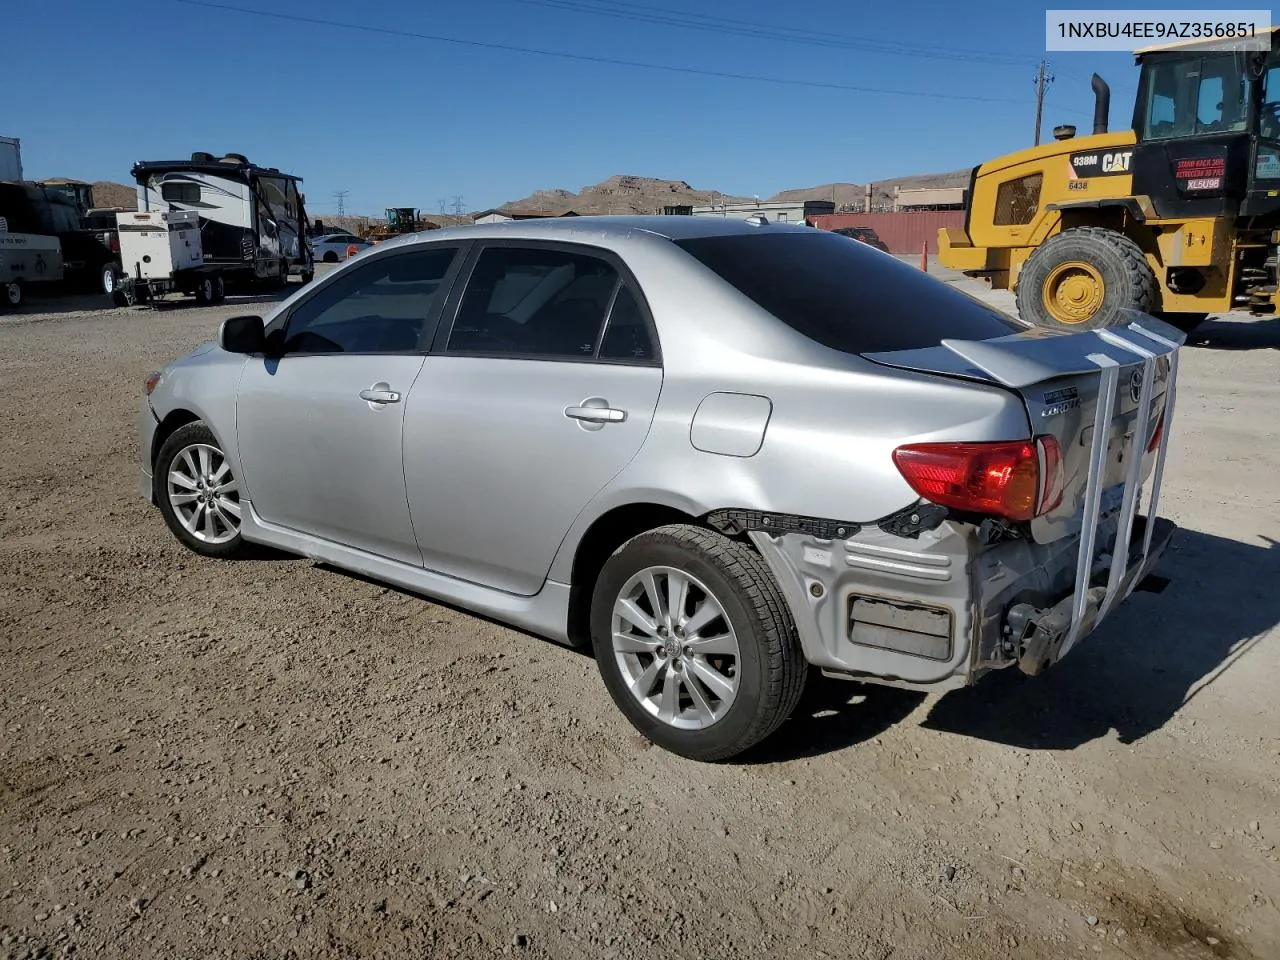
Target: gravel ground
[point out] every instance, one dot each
(274, 759)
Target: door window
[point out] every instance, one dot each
(379, 307)
(534, 302)
(1187, 98)
(627, 337)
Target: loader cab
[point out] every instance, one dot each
(1208, 129)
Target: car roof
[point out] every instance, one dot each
(674, 227)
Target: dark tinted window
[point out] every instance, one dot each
(527, 301)
(845, 295)
(379, 307)
(181, 192)
(627, 336)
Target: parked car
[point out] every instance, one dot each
(863, 234)
(334, 246)
(718, 452)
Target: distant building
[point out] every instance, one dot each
(929, 198)
(784, 211)
(499, 215)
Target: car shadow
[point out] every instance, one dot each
(1154, 654)
(1236, 334)
(833, 715)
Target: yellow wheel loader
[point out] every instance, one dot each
(1178, 216)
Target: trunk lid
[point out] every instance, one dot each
(1062, 378)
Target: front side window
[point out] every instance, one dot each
(534, 302)
(380, 307)
(1191, 97)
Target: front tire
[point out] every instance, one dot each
(198, 495)
(1083, 278)
(330, 257)
(695, 642)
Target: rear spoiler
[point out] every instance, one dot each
(1041, 354)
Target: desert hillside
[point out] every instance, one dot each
(622, 194)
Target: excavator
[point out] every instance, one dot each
(1178, 216)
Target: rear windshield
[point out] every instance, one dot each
(845, 294)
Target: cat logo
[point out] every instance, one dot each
(1097, 163)
(1116, 162)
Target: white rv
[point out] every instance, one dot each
(10, 158)
(253, 222)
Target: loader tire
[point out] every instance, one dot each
(1083, 278)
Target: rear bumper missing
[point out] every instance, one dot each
(1037, 634)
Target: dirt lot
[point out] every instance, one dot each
(272, 759)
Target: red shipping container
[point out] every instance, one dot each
(903, 232)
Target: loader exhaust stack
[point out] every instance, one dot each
(1101, 104)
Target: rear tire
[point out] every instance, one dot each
(12, 295)
(752, 691)
(219, 289)
(1081, 279)
(204, 291)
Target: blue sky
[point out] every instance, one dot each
(399, 121)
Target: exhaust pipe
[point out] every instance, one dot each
(1101, 103)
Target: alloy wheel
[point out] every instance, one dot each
(203, 493)
(676, 649)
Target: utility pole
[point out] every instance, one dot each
(340, 196)
(1042, 82)
(457, 205)
(444, 205)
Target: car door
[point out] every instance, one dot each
(319, 421)
(537, 395)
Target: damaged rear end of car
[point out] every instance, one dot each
(1016, 549)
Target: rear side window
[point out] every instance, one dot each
(847, 296)
(534, 302)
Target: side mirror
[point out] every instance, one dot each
(242, 335)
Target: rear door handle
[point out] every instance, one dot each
(596, 414)
(379, 394)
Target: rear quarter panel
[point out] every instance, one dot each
(834, 423)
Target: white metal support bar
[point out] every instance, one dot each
(1107, 381)
(1157, 473)
(1133, 479)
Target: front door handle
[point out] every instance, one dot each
(596, 414)
(380, 393)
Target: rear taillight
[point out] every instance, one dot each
(1155, 437)
(1016, 480)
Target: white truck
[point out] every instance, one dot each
(26, 258)
(161, 253)
(10, 158)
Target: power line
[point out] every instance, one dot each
(587, 58)
(667, 16)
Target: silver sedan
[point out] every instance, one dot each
(722, 454)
